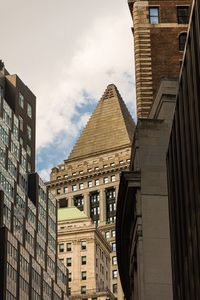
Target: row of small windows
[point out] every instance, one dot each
(69, 261)
(68, 246)
(90, 183)
(90, 169)
(182, 15)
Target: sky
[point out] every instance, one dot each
(67, 52)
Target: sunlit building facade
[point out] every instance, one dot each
(89, 178)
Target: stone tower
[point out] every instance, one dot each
(89, 178)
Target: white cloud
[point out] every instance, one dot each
(62, 50)
(103, 57)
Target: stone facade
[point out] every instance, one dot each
(143, 239)
(87, 255)
(89, 178)
(156, 44)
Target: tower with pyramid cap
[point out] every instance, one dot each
(89, 177)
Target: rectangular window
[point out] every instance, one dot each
(153, 15)
(114, 260)
(114, 247)
(114, 288)
(29, 110)
(113, 178)
(83, 275)
(29, 150)
(83, 245)
(65, 189)
(83, 260)
(74, 187)
(97, 182)
(81, 186)
(61, 248)
(114, 274)
(105, 179)
(107, 234)
(21, 100)
(69, 261)
(182, 14)
(70, 277)
(69, 247)
(113, 233)
(83, 289)
(89, 183)
(29, 132)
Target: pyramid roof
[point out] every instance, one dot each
(109, 128)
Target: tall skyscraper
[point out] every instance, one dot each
(160, 30)
(89, 178)
(30, 268)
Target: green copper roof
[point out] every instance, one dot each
(70, 213)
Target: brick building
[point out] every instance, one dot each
(89, 178)
(30, 268)
(159, 29)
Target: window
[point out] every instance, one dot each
(113, 246)
(65, 189)
(83, 275)
(29, 132)
(114, 274)
(69, 246)
(69, 261)
(29, 110)
(61, 247)
(83, 260)
(74, 187)
(58, 191)
(83, 245)
(107, 234)
(113, 178)
(29, 150)
(89, 183)
(153, 15)
(182, 40)
(113, 233)
(97, 182)
(114, 260)
(83, 289)
(105, 179)
(21, 123)
(182, 14)
(80, 186)
(21, 100)
(70, 277)
(114, 288)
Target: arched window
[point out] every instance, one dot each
(182, 40)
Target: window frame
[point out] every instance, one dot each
(153, 16)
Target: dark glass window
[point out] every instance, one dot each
(153, 15)
(94, 207)
(182, 40)
(183, 14)
(79, 202)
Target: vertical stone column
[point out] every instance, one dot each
(102, 206)
(86, 204)
(70, 201)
